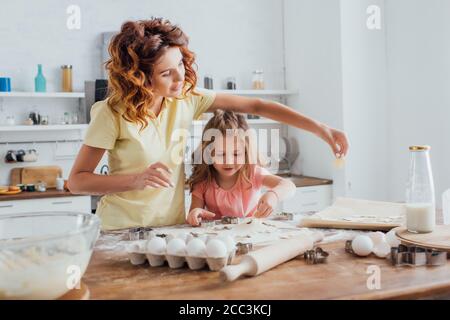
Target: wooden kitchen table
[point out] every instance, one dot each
(111, 276)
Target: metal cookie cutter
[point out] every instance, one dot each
(243, 248)
(315, 256)
(348, 247)
(139, 233)
(134, 233)
(285, 216)
(229, 220)
(415, 256)
(208, 223)
(146, 233)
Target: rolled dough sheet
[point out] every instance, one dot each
(359, 214)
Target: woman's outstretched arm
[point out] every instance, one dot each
(281, 113)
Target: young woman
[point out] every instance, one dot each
(152, 94)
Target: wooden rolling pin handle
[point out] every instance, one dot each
(232, 272)
(266, 258)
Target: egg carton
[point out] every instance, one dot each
(138, 255)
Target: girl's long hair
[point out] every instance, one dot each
(133, 53)
(221, 121)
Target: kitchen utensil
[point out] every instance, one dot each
(10, 156)
(315, 256)
(5, 84)
(439, 239)
(43, 254)
(26, 175)
(261, 260)
(415, 256)
(20, 154)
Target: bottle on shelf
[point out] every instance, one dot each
(40, 84)
(66, 78)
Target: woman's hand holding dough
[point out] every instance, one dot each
(155, 176)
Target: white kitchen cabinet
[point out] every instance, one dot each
(74, 204)
(307, 199)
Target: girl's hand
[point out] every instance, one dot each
(155, 176)
(266, 204)
(336, 139)
(196, 215)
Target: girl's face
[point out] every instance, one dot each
(168, 76)
(228, 160)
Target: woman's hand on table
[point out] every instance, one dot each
(156, 175)
(267, 203)
(196, 215)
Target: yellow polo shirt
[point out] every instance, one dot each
(131, 151)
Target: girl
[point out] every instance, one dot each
(230, 185)
(152, 95)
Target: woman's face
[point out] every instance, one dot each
(168, 76)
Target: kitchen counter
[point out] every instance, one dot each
(50, 193)
(111, 276)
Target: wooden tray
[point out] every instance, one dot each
(439, 239)
(322, 223)
(10, 192)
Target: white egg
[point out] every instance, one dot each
(183, 236)
(377, 237)
(176, 247)
(136, 246)
(196, 248)
(382, 249)
(189, 237)
(229, 242)
(362, 245)
(216, 249)
(157, 245)
(392, 239)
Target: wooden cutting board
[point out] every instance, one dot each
(32, 175)
(439, 239)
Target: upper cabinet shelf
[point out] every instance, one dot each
(21, 94)
(259, 92)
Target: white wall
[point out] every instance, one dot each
(365, 111)
(230, 38)
(418, 50)
(313, 65)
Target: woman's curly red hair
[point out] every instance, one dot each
(133, 54)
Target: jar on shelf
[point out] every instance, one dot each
(231, 83)
(258, 80)
(66, 78)
(420, 201)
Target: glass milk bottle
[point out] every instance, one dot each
(420, 203)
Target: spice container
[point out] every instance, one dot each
(208, 82)
(66, 78)
(258, 80)
(420, 202)
(41, 186)
(231, 83)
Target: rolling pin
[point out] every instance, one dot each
(261, 260)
